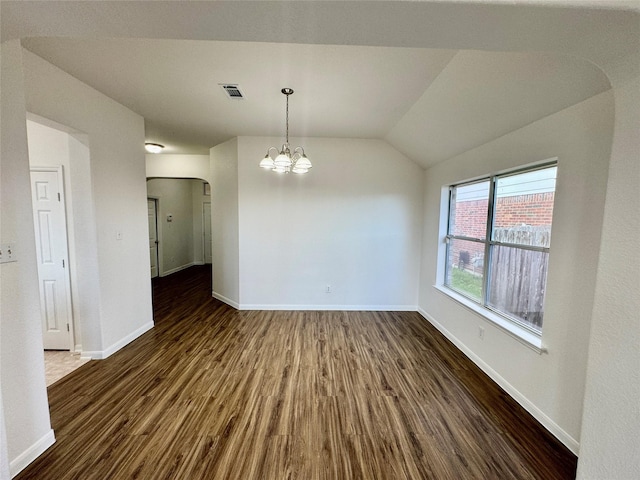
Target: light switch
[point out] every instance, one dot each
(118, 235)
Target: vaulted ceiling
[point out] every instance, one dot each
(430, 102)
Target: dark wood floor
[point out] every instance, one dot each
(212, 392)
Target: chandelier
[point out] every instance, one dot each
(285, 161)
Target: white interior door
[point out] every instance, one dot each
(152, 206)
(52, 255)
(206, 222)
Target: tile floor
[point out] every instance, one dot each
(58, 364)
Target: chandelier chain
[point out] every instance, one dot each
(287, 119)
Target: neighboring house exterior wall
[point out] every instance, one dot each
(533, 210)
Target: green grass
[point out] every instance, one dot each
(466, 282)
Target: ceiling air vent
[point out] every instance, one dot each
(232, 90)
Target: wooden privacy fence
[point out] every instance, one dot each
(538, 236)
(519, 276)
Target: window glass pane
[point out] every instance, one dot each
(465, 267)
(468, 212)
(517, 283)
(524, 208)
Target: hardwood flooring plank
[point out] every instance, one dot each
(215, 393)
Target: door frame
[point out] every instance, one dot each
(204, 233)
(59, 169)
(158, 233)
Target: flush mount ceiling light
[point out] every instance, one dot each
(153, 147)
(285, 161)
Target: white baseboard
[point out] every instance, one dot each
(34, 451)
(198, 262)
(93, 354)
(570, 442)
(102, 354)
(365, 308)
(177, 269)
(226, 300)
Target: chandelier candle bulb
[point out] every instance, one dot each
(285, 161)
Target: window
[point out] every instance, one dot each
(498, 243)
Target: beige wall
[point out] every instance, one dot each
(159, 165)
(550, 385)
(611, 421)
(354, 223)
(224, 222)
(117, 204)
(24, 393)
(116, 139)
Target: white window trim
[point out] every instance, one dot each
(521, 334)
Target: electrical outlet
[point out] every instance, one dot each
(327, 289)
(481, 333)
(7, 253)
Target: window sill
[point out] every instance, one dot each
(522, 335)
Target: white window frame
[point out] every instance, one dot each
(513, 326)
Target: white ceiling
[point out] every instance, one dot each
(430, 103)
(355, 92)
(481, 96)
